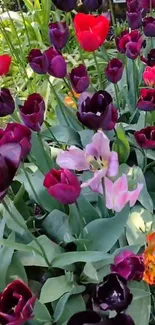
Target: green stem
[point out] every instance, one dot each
(69, 88)
(145, 161)
(21, 11)
(127, 76)
(112, 17)
(50, 131)
(134, 81)
(44, 151)
(98, 69)
(79, 47)
(23, 226)
(117, 96)
(31, 185)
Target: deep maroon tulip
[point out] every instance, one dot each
(63, 185)
(16, 304)
(146, 101)
(112, 294)
(150, 59)
(134, 14)
(10, 157)
(79, 79)
(97, 110)
(130, 43)
(58, 34)
(7, 104)
(129, 265)
(32, 112)
(92, 5)
(15, 132)
(66, 5)
(56, 63)
(114, 70)
(90, 317)
(146, 137)
(133, 5)
(38, 61)
(149, 26)
(146, 4)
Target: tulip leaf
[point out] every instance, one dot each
(67, 117)
(6, 254)
(63, 134)
(103, 233)
(16, 270)
(74, 304)
(86, 210)
(37, 151)
(121, 145)
(54, 288)
(41, 313)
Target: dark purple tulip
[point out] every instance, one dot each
(150, 59)
(32, 112)
(92, 5)
(37, 61)
(79, 79)
(10, 157)
(146, 4)
(97, 111)
(146, 137)
(133, 5)
(16, 304)
(58, 34)
(65, 5)
(91, 317)
(129, 265)
(15, 132)
(56, 63)
(7, 104)
(134, 19)
(112, 294)
(122, 319)
(130, 43)
(114, 70)
(146, 101)
(149, 26)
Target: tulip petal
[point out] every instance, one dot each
(73, 159)
(95, 183)
(134, 195)
(113, 166)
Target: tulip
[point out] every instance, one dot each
(63, 185)
(91, 31)
(134, 14)
(149, 76)
(5, 61)
(149, 26)
(146, 101)
(38, 61)
(146, 137)
(92, 5)
(32, 112)
(150, 60)
(129, 265)
(15, 132)
(58, 34)
(56, 63)
(97, 111)
(146, 4)
(67, 5)
(91, 317)
(79, 79)
(130, 43)
(112, 294)
(16, 304)
(117, 194)
(114, 70)
(7, 104)
(96, 157)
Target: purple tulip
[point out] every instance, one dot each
(146, 101)
(146, 4)
(7, 104)
(150, 59)
(15, 132)
(79, 79)
(32, 112)
(58, 34)
(97, 111)
(114, 70)
(66, 5)
(92, 5)
(146, 137)
(63, 185)
(10, 157)
(91, 317)
(16, 304)
(130, 43)
(149, 26)
(129, 265)
(38, 61)
(56, 63)
(134, 14)
(112, 294)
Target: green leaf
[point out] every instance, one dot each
(41, 313)
(68, 117)
(6, 254)
(61, 306)
(86, 210)
(74, 305)
(86, 137)
(63, 134)
(16, 270)
(10, 222)
(37, 151)
(54, 288)
(121, 144)
(90, 272)
(103, 233)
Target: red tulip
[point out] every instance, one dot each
(91, 31)
(5, 61)
(149, 76)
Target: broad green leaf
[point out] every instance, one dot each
(40, 154)
(74, 305)
(6, 254)
(67, 117)
(86, 210)
(61, 306)
(63, 134)
(9, 220)
(41, 313)
(90, 272)
(54, 288)
(121, 144)
(86, 137)
(16, 270)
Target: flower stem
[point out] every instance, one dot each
(117, 96)
(98, 69)
(44, 151)
(23, 226)
(70, 89)
(50, 131)
(134, 81)
(31, 185)
(112, 17)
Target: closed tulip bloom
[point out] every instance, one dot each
(114, 70)
(130, 43)
(7, 104)
(97, 111)
(149, 26)
(5, 62)
(16, 304)
(79, 79)
(150, 59)
(91, 31)
(67, 5)
(10, 157)
(91, 317)
(63, 185)
(92, 5)
(32, 112)
(38, 61)
(146, 101)
(149, 76)
(58, 34)
(146, 137)
(146, 4)
(56, 63)
(134, 14)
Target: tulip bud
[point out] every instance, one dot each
(65, 5)
(5, 61)
(146, 101)
(56, 63)
(146, 137)
(7, 104)
(58, 34)
(149, 76)
(149, 26)
(92, 5)
(38, 61)
(79, 79)
(114, 70)
(130, 43)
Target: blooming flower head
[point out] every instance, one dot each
(96, 157)
(91, 317)
(149, 76)
(7, 104)
(79, 79)
(150, 59)
(69, 100)
(66, 5)
(5, 61)
(58, 34)
(146, 101)
(146, 137)
(130, 43)
(149, 26)
(149, 259)
(114, 70)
